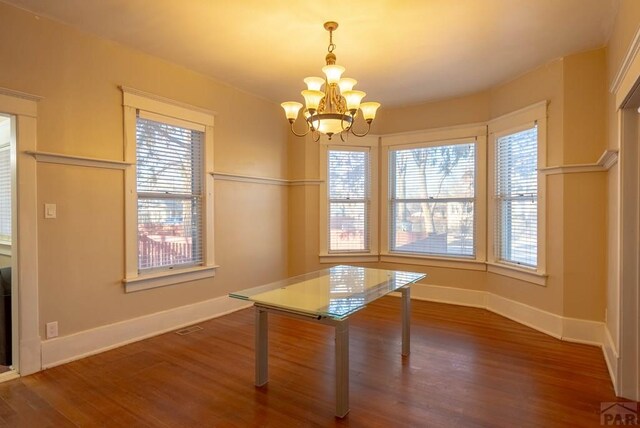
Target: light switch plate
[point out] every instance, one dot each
(50, 210)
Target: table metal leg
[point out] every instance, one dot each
(406, 320)
(262, 347)
(342, 368)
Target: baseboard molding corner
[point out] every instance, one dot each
(65, 349)
(582, 331)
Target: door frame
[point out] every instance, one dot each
(27, 345)
(625, 89)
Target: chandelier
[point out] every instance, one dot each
(335, 110)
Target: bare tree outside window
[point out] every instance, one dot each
(169, 187)
(432, 197)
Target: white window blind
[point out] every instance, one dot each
(516, 198)
(5, 194)
(169, 187)
(432, 200)
(349, 202)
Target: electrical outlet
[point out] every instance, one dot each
(52, 329)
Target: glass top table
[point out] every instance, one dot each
(336, 292)
(328, 296)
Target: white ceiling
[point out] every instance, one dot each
(401, 51)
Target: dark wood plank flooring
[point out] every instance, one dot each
(468, 368)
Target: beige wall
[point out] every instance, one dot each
(81, 252)
(465, 110)
(544, 83)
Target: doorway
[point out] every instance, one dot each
(7, 256)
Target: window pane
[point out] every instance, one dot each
(348, 173)
(168, 232)
(169, 185)
(517, 164)
(347, 226)
(168, 158)
(519, 219)
(517, 198)
(432, 200)
(437, 228)
(434, 172)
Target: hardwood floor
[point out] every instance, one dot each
(468, 368)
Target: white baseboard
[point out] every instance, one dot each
(611, 357)
(452, 295)
(75, 346)
(564, 328)
(583, 331)
(79, 345)
(540, 320)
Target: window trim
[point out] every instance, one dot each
(370, 143)
(430, 138)
(504, 125)
(134, 100)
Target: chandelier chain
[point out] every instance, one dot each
(332, 46)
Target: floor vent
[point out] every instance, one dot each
(189, 330)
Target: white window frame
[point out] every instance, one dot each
(175, 113)
(369, 143)
(508, 124)
(428, 138)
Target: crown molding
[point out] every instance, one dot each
(632, 52)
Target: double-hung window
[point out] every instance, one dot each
(434, 212)
(517, 194)
(168, 192)
(432, 199)
(516, 197)
(169, 188)
(348, 201)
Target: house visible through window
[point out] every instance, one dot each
(169, 188)
(432, 200)
(516, 198)
(349, 205)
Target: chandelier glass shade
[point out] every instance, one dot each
(331, 105)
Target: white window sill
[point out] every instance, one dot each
(348, 257)
(446, 262)
(515, 272)
(161, 279)
(5, 249)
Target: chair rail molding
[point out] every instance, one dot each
(608, 159)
